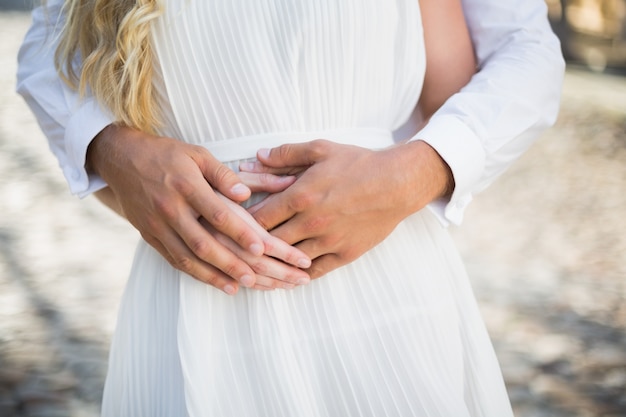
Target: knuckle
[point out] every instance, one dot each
(284, 151)
(148, 225)
(267, 179)
(315, 246)
(292, 276)
(231, 269)
(273, 284)
(182, 186)
(183, 263)
(243, 237)
(318, 148)
(315, 224)
(315, 272)
(269, 245)
(259, 267)
(164, 208)
(301, 201)
(210, 278)
(151, 225)
(199, 151)
(222, 174)
(200, 155)
(200, 247)
(219, 217)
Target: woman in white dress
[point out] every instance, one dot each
(391, 327)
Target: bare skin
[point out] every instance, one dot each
(170, 190)
(450, 60)
(335, 211)
(347, 199)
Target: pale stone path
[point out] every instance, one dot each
(62, 267)
(545, 247)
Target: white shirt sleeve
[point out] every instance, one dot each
(68, 121)
(479, 131)
(514, 96)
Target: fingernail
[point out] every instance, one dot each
(304, 263)
(303, 281)
(230, 290)
(287, 286)
(246, 166)
(240, 189)
(256, 249)
(246, 281)
(264, 153)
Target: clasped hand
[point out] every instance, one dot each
(184, 203)
(327, 202)
(346, 199)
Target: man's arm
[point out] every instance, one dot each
(348, 199)
(512, 98)
(69, 122)
(476, 132)
(186, 220)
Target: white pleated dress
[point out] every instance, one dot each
(395, 333)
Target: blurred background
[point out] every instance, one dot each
(545, 247)
(592, 32)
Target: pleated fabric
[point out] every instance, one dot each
(395, 333)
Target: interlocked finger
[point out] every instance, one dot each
(199, 245)
(192, 265)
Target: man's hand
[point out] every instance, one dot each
(346, 199)
(164, 187)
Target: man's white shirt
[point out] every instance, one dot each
(479, 131)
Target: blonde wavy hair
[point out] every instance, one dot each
(110, 39)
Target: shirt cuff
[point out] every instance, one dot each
(462, 150)
(84, 124)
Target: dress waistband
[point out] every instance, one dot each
(245, 147)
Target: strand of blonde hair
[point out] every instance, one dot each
(111, 40)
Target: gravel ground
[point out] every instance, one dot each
(544, 245)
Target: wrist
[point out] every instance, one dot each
(444, 186)
(108, 147)
(96, 148)
(428, 177)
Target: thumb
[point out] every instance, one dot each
(294, 155)
(222, 178)
(324, 264)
